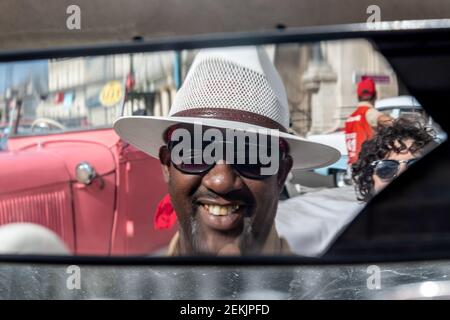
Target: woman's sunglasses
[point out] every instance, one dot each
(245, 167)
(388, 169)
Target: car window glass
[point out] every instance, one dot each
(94, 193)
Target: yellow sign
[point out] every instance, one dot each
(111, 93)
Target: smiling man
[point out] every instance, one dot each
(226, 153)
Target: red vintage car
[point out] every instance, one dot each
(96, 192)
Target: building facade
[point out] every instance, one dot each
(321, 81)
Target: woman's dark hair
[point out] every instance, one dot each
(383, 143)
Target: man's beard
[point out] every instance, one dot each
(198, 248)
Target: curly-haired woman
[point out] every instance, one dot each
(388, 154)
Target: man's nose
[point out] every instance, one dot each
(222, 179)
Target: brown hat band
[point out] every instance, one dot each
(231, 115)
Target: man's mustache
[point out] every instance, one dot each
(234, 196)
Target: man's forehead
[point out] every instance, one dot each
(208, 133)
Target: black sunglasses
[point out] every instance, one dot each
(388, 169)
(197, 165)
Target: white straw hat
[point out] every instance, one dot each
(229, 88)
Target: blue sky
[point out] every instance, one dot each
(14, 73)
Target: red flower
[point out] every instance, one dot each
(165, 216)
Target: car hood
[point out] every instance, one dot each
(50, 163)
(335, 140)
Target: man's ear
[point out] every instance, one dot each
(164, 158)
(285, 168)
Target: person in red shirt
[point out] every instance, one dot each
(360, 125)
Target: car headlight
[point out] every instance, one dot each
(85, 173)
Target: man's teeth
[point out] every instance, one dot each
(221, 210)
